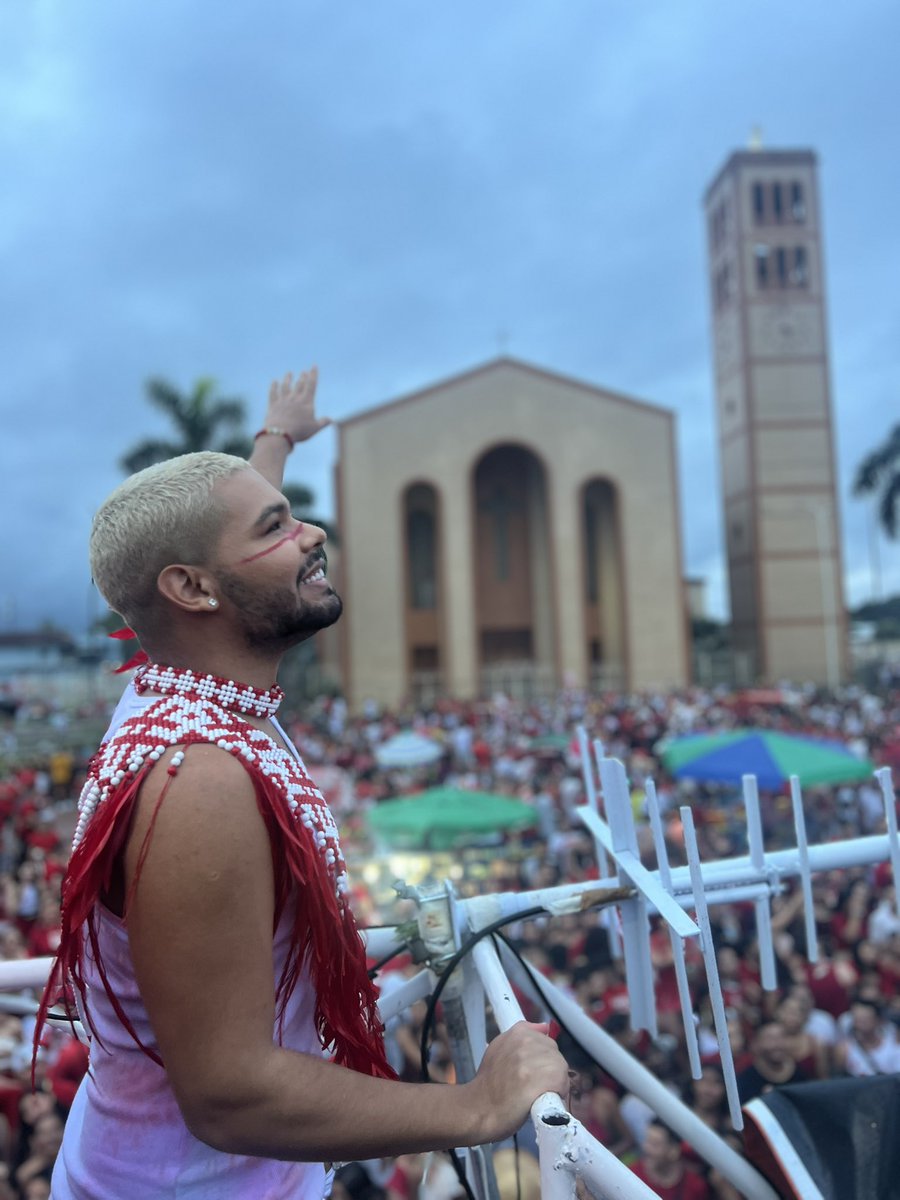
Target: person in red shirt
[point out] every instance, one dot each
(662, 1167)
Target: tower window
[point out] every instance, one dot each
(761, 258)
(800, 269)
(781, 266)
(798, 203)
(759, 203)
(777, 202)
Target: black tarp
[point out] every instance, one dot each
(845, 1132)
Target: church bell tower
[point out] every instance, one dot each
(773, 403)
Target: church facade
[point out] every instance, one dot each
(509, 529)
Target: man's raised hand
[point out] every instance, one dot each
(292, 406)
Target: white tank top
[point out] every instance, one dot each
(125, 1137)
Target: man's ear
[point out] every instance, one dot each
(188, 588)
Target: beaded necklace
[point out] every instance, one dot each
(207, 709)
(234, 697)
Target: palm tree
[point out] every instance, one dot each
(203, 420)
(879, 473)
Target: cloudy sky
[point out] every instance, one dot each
(395, 190)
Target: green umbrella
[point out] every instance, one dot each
(441, 818)
(772, 757)
(551, 743)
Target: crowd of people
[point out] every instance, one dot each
(839, 1016)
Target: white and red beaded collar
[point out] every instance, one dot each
(226, 693)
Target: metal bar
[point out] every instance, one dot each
(382, 940)
(635, 1077)
(441, 924)
(883, 775)
(24, 973)
(827, 856)
(608, 919)
(590, 784)
(633, 913)
(417, 988)
(481, 1172)
(712, 970)
(809, 916)
(684, 989)
(611, 917)
(559, 1134)
(726, 880)
(761, 906)
(645, 880)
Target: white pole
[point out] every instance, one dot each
(761, 906)
(635, 923)
(883, 775)
(417, 988)
(24, 973)
(827, 856)
(684, 989)
(560, 1136)
(635, 1077)
(382, 940)
(712, 970)
(608, 919)
(809, 916)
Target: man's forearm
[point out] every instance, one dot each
(307, 1109)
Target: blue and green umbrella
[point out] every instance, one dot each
(772, 757)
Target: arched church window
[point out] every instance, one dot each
(421, 544)
(592, 552)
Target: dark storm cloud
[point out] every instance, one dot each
(386, 189)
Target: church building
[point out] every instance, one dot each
(509, 529)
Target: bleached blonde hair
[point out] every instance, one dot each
(164, 514)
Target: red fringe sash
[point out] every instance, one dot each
(325, 936)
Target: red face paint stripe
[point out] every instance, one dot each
(290, 537)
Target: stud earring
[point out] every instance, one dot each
(213, 602)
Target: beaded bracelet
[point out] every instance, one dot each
(276, 433)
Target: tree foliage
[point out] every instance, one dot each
(879, 474)
(202, 421)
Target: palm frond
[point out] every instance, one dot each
(873, 469)
(164, 395)
(889, 507)
(241, 446)
(148, 452)
(227, 412)
(298, 496)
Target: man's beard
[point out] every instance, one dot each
(279, 617)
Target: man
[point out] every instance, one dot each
(869, 1045)
(773, 1064)
(206, 931)
(661, 1166)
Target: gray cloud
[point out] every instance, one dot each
(386, 189)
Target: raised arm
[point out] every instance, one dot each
(200, 929)
(290, 418)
